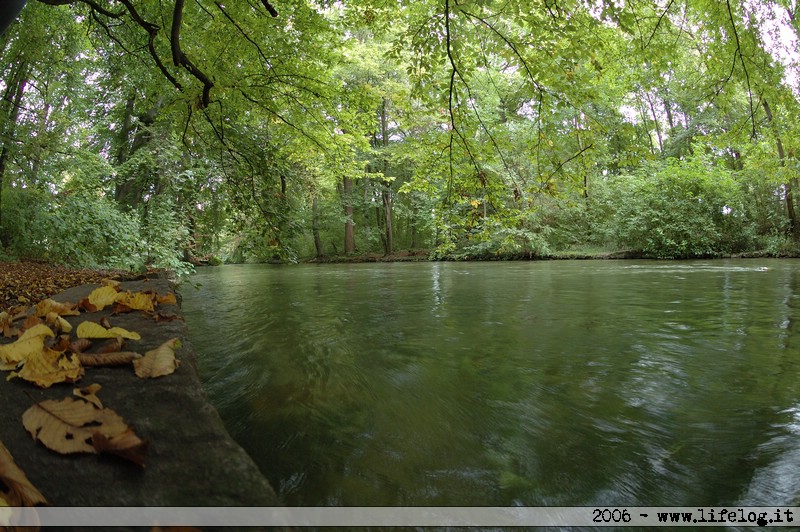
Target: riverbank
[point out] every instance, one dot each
(190, 460)
(425, 255)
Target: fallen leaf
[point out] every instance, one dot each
(70, 426)
(86, 306)
(48, 367)
(62, 343)
(46, 306)
(119, 308)
(113, 344)
(105, 323)
(166, 316)
(30, 322)
(127, 445)
(158, 362)
(102, 297)
(115, 358)
(135, 300)
(80, 345)
(58, 323)
(90, 329)
(88, 393)
(31, 341)
(167, 299)
(15, 488)
(9, 331)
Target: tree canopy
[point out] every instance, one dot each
(140, 132)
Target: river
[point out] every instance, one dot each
(560, 383)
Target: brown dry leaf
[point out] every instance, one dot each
(18, 312)
(31, 341)
(103, 296)
(136, 301)
(86, 306)
(18, 489)
(158, 362)
(104, 322)
(112, 345)
(166, 316)
(119, 308)
(69, 426)
(116, 358)
(127, 445)
(30, 322)
(168, 299)
(9, 331)
(61, 343)
(90, 329)
(88, 393)
(46, 306)
(80, 345)
(48, 367)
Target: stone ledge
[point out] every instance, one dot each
(191, 461)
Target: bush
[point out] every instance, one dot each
(679, 209)
(77, 230)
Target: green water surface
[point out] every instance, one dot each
(562, 383)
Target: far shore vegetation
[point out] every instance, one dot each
(360, 130)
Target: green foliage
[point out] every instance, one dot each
(477, 128)
(165, 237)
(679, 209)
(78, 230)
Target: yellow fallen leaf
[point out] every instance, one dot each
(19, 490)
(136, 301)
(90, 329)
(103, 296)
(46, 306)
(48, 367)
(57, 322)
(88, 393)
(158, 362)
(31, 342)
(72, 426)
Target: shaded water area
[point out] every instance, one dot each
(496, 384)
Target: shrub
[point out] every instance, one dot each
(680, 209)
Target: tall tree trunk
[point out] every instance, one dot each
(386, 189)
(386, 196)
(414, 232)
(315, 225)
(656, 122)
(129, 192)
(38, 149)
(791, 184)
(349, 226)
(10, 106)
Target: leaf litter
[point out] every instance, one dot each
(50, 352)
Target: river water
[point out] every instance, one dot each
(495, 384)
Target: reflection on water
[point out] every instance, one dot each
(545, 383)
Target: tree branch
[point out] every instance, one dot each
(175, 34)
(738, 54)
(269, 8)
(180, 59)
(90, 3)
